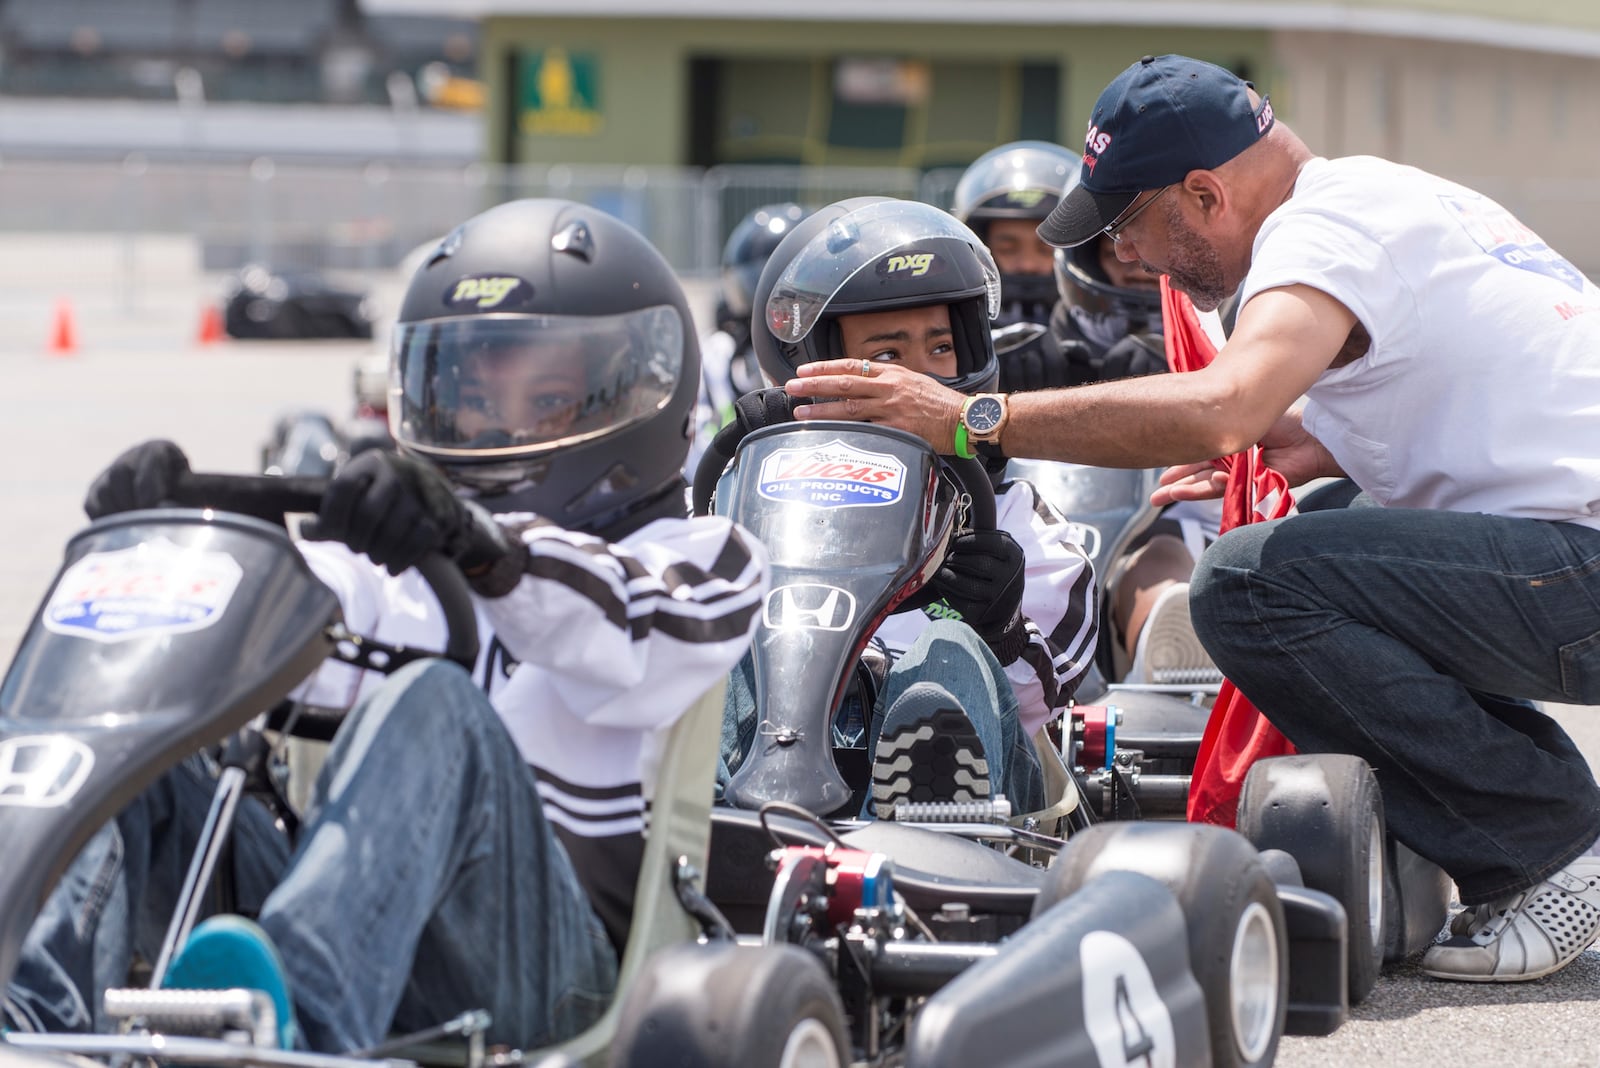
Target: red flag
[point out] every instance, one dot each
(1236, 735)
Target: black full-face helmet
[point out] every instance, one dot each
(1020, 180)
(875, 254)
(546, 361)
(1104, 313)
(747, 250)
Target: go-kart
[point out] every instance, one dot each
(168, 630)
(941, 935)
(1133, 747)
(312, 444)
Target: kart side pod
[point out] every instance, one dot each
(1100, 977)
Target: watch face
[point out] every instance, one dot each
(983, 415)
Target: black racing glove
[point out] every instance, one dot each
(1134, 355)
(982, 579)
(397, 510)
(142, 477)
(1040, 364)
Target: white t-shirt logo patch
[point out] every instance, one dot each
(1498, 233)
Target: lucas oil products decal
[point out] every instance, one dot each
(835, 475)
(1499, 234)
(152, 588)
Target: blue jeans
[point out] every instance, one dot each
(949, 653)
(1415, 640)
(425, 882)
(118, 895)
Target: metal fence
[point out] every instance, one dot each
(368, 218)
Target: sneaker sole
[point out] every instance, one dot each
(1174, 655)
(936, 759)
(1520, 978)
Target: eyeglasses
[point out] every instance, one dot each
(1123, 221)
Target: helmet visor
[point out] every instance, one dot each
(853, 242)
(507, 387)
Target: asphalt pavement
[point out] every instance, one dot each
(68, 415)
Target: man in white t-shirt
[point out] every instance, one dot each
(1450, 362)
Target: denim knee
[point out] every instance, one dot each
(1219, 584)
(419, 694)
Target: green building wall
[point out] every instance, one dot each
(641, 72)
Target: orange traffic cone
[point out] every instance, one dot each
(64, 338)
(210, 325)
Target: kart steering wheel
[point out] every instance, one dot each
(970, 476)
(271, 498)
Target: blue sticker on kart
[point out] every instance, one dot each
(835, 475)
(142, 591)
(1502, 236)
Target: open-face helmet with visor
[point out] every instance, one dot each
(545, 360)
(876, 254)
(1019, 180)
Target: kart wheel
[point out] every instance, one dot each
(722, 1005)
(1238, 945)
(1324, 810)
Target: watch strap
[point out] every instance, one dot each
(963, 446)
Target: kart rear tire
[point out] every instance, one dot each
(721, 1005)
(1238, 942)
(1324, 809)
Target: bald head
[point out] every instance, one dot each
(1216, 217)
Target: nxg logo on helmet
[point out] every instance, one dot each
(1024, 198)
(917, 263)
(487, 292)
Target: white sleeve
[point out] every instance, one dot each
(622, 630)
(398, 610)
(1332, 253)
(1058, 601)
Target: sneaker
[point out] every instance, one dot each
(1526, 935)
(928, 750)
(1168, 651)
(228, 952)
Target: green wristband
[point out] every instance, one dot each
(963, 448)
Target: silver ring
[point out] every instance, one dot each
(866, 368)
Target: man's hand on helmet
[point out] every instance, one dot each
(887, 394)
(397, 509)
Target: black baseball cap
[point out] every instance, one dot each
(1158, 120)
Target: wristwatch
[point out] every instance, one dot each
(982, 419)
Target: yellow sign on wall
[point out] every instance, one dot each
(560, 94)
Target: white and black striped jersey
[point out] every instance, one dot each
(589, 661)
(1058, 601)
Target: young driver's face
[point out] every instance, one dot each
(917, 338)
(1017, 248)
(535, 400)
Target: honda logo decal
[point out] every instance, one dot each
(809, 606)
(42, 770)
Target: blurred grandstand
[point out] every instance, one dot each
(156, 145)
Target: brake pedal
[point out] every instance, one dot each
(236, 1015)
